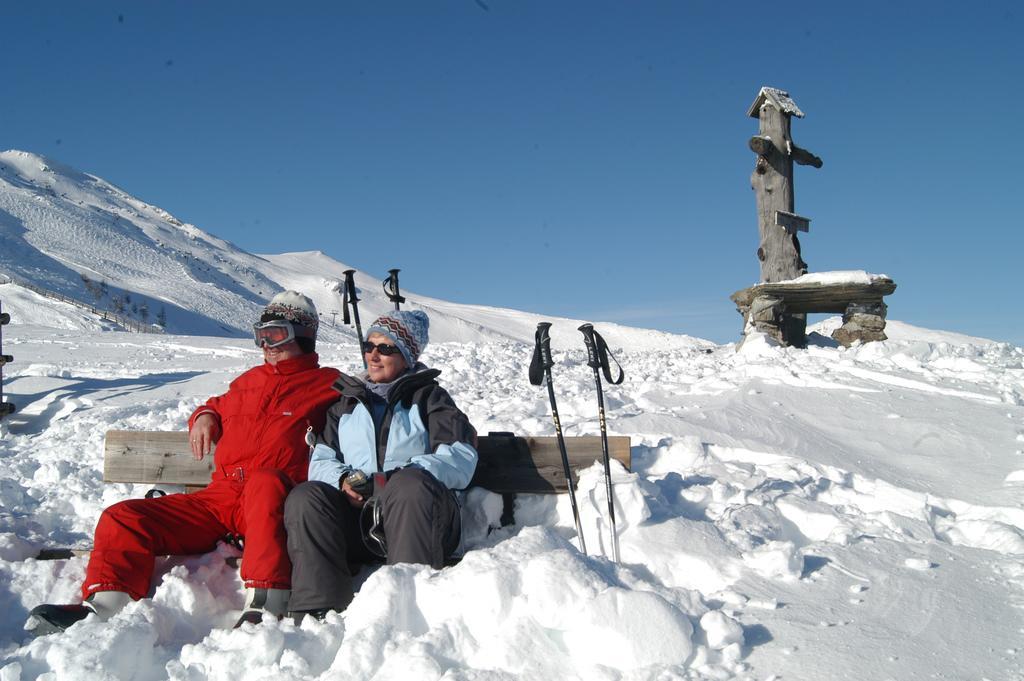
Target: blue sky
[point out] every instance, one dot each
(582, 159)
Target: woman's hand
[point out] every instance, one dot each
(204, 434)
(354, 498)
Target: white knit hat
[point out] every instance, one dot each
(296, 308)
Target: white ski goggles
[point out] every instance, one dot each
(273, 334)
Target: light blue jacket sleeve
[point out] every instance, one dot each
(452, 464)
(325, 466)
(442, 446)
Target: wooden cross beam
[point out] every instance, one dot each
(792, 222)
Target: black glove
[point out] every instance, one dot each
(360, 483)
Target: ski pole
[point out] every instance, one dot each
(391, 288)
(348, 299)
(5, 407)
(597, 358)
(542, 362)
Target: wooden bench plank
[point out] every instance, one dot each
(507, 464)
(534, 464)
(156, 456)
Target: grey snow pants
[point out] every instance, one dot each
(421, 525)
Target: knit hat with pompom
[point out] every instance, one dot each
(407, 329)
(292, 306)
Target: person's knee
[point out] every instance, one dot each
(308, 498)
(412, 492)
(125, 521)
(122, 514)
(411, 484)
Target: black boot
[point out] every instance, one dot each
(52, 619)
(259, 601)
(250, 617)
(319, 615)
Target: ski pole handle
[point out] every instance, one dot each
(541, 361)
(348, 297)
(391, 288)
(588, 337)
(350, 285)
(598, 354)
(544, 341)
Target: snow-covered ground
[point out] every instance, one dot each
(816, 514)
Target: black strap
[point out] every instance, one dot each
(391, 288)
(349, 297)
(603, 353)
(345, 318)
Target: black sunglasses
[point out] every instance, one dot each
(383, 348)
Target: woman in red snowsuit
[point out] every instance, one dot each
(259, 428)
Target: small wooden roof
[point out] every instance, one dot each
(778, 98)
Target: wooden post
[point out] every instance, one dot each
(772, 182)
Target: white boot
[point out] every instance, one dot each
(51, 619)
(259, 601)
(106, 604)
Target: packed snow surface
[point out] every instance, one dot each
(813, 514)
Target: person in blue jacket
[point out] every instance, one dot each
(383, 474)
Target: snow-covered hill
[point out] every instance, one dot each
(58, 224)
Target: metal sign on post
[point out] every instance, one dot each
(5, 407)
(792, 222)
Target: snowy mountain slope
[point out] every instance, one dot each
(813, 515)
(57, 224)
(30, 308)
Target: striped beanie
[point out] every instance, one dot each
(407, 329)
(299, 310)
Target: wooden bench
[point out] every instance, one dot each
(766, 305)
(508, 464)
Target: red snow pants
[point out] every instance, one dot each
(130, 534)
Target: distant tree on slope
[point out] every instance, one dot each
(94, 289)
